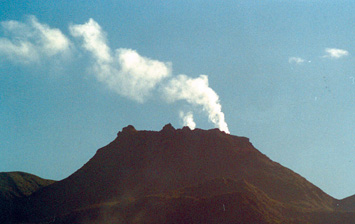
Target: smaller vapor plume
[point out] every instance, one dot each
(198, 93)
(188, 119)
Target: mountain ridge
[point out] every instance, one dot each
(141, 163)
(15, 185)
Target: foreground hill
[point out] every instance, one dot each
(19, 184)
(216, 201)
(14, 185)
(346, 204)
(180, 175)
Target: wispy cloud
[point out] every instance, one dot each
(335, 53)
(197, 92)
(296, 60)
(31, 41)
(19, 51)
(124, 71)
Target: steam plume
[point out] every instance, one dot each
(122, 70)
(188, 119)
(125, 71)
(197, 92)
(135, 76)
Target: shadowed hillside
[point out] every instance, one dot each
(215, 201)
(347, 204)
(180, 175)
(14, 185)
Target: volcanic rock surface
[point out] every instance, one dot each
(181, 176)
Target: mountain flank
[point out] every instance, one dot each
(181, 176)
(346, 204)
(14, 185)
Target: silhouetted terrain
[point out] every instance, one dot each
(182, 176)
(347, 204)
(14, 185)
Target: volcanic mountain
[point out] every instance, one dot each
(181, 176)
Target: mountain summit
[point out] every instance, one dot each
(180, 176)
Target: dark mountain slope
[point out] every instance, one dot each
(346, 204)
(139, 163)
(219, 201)
(215, 201)
(14, 185)
(19, 184)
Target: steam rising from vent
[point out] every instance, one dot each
(134, 76)
(188, 119)
(198, 93)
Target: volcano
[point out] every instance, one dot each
(181, 176)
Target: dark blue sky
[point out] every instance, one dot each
(73, 73)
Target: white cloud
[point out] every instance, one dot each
(188, 119)
(21, 51)
(296, 60)
(197, 92)
(31, 41)
(94, 40)
(52, 41)
(335, 53)
(140, 74)
(126, 72)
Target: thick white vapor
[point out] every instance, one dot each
(31, 41)
(124, 71)
(188, 119)
(197, 92)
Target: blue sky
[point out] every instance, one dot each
(73, 73)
